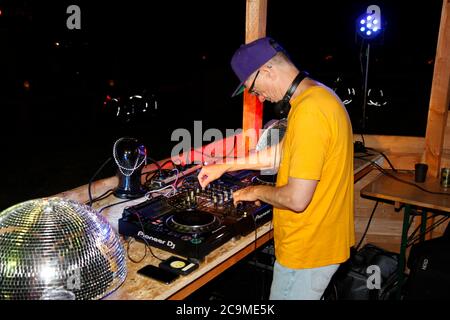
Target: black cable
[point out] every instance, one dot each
(153, 172)
(384, 156)
(168, 161)
(367, 226)
(128, 252)
(366, 154)
(155, 162)
(429, 229)
(93, 177)
(148, 172)
(104, 195)
(414, 214)
(114, 204)
(145, 240)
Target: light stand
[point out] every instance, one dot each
(366, 79)
(368, 27)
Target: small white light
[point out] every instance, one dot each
(369, 18)
(363, 21)
(47, 273)
(369, 25)
(375, 21)
(375, 29)
(362, 29)
(368, 33)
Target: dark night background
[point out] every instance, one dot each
(56, 130)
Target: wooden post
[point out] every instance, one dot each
(439, 99)
(255, 28)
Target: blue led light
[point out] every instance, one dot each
(368, 24)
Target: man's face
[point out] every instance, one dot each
(261, 85)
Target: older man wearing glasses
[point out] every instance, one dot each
(313, 195)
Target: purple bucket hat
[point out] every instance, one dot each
(250, 57)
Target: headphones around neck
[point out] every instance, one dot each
(283, 106)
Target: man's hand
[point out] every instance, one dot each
(210, 173)
(246, 194)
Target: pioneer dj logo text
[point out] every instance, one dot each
(262, 215)
(231, 148)
(167, 243)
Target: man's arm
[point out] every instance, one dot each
(266, 159)
(295, 195)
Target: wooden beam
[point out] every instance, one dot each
(439, 99)
(255, 28)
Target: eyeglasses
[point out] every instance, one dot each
(250, 90)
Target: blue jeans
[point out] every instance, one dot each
(300, 284)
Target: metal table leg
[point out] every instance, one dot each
(423, 225)
(403, 243)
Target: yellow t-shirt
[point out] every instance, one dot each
(318, 145)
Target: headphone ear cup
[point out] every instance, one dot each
(282, 108)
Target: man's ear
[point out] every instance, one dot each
(269, 71)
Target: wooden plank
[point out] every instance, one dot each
(255, 20)
(393, 144)
(255, 28)
(439, 99)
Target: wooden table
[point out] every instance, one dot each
(387, 189)
(219, 260)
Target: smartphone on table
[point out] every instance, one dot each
(157, 273)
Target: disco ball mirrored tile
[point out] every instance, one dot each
(54, 248)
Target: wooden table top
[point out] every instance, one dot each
(387, 188)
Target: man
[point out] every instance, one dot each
(313, 197)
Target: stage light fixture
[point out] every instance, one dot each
(369, 23)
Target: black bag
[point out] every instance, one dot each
(429, 264)
(354, 279)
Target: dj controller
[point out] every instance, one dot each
(195, 221)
